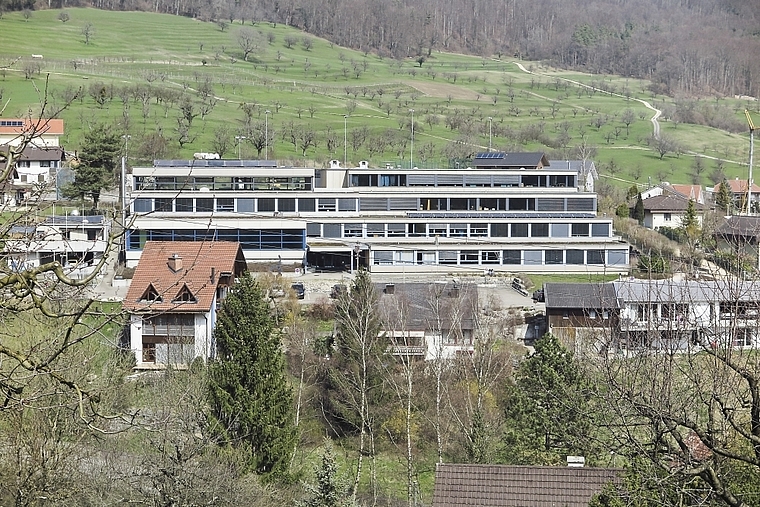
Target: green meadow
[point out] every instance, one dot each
(462, 104)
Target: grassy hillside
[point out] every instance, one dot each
(314, 84)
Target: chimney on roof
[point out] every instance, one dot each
(576, 461)
(213, 274)
(175, 262)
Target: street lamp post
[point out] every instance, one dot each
(238, 139)
(123, 189)
(266, 134)
(126, 138)
(490, 121)
(345, 140)
(411, 150)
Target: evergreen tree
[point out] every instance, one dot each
(547, 407)
(251, 401)
(330, 490)
(724, 200)
(638, 210)
(97, 165)
(689, 223)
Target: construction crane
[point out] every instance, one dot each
(751, 154)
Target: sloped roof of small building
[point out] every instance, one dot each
(203, 264)
(747, 226)
(46, 126)
(418, 306)
(688, 191)
(518, 486)
(686, 291)
(41, 153)
(669, 203)
(737, 186)
(579, 295)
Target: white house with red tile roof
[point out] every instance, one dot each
(738, 189)
(46, 132)
(173, 298)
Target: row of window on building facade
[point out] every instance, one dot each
(392, 230)
(353, 204)
(227, 183)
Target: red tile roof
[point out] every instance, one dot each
(199, 259)
(689, 191)
(51, 127)
(738, 187)
(512, 486)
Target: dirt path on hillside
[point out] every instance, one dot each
(443, 90)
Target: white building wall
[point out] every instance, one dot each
(42, 140)
(135, 337)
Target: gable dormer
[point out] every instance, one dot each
(151, 295)
(185, 295)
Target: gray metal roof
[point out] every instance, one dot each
(739, 225)
(691, 291)
(615, 294)
(579, 295)
(410, 305)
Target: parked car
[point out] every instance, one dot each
(299, 289)
(337, 290)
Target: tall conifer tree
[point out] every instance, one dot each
(251, 401)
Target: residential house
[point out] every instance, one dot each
(740, 235)
(34, 176)
(173, 298)
(46, 132)
(668, 210)
(37, 167)
(670, 315)
(513, 486)
(428, 320)
(77, 242)
(507, 212)
(693, 192)
(581, 315)
(681, 315)
(739, 194)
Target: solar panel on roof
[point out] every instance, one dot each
(490, 155)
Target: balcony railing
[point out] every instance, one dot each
(406, 350)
